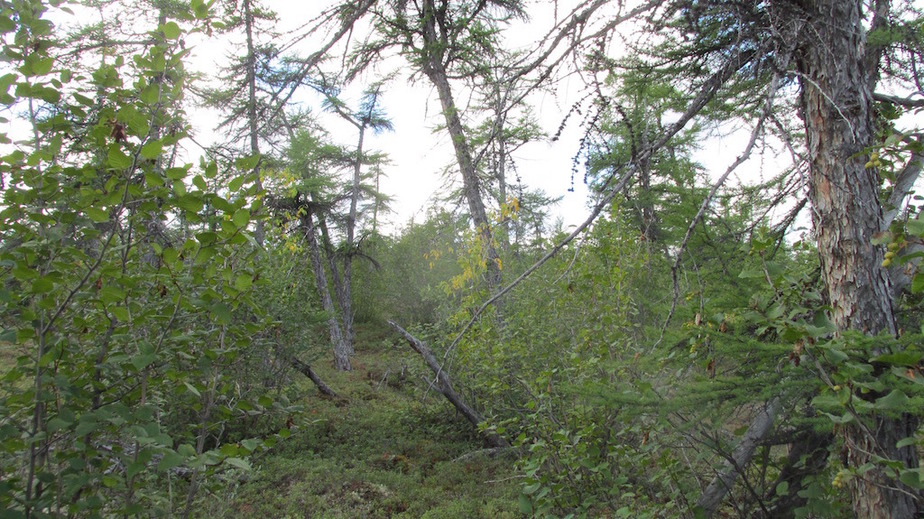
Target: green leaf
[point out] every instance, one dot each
(243, 282)
(911, 477)
(170, 460)
(42, 66)
(96, 214)
(241, 218)
(896, 400)
(120, 313)
(247, 163)
(42, 285)
(251, 444)
(782, 489)
(206, 238)
(917, 284)
(192, 389)
(153, 179)
(49, 95)
(190, 203)
(526, 507)
(151, 94)
(222, 312)
(911, 440)
(152, 149)
(142, 361)
(87, 425)
(199, 182)
(171, 30)
(915, 227)
(236, 183)
(175, 173)
(117, 158)
(902, 358)
(238, 462)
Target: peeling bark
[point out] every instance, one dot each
(837, 79)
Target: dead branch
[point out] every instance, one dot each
(444, 384)
(760, 426)
(305, 369)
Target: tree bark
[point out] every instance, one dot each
(761, 425)
(837, 79)
(444, 384)
(341, 349)
(434, 51)
(808, 456)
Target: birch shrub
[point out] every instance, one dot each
(127, 283)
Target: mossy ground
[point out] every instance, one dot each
(384, 450)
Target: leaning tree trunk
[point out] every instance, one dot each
(836, 102)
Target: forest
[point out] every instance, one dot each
(225, 319)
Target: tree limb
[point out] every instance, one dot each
(906, 102)
(760, 426)
(444, 384)
(305, 369)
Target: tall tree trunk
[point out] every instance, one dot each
(340, 284)
(252, 122)
(435, 70)
(836, 102)
(346, 302)
(341, 349)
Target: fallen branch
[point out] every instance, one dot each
(444, 385)
(305, 369)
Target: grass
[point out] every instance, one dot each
(385, 450)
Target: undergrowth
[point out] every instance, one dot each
(386, 449)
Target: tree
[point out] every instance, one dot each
(446, 40)
(123, 322)
(243, 96)
(825, 47)
(838, 70)
(368, 117)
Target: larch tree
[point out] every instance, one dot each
(369, 117)
(834, 55)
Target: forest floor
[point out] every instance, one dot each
(386, 448)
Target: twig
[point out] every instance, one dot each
(745, 155)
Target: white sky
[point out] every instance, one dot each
(419, 154)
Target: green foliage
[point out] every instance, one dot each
(127, 288)
(387, 451)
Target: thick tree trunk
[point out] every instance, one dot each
(836, 82)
